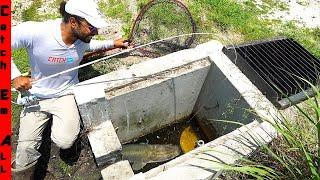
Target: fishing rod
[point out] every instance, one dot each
(116, 54)
(28, 99)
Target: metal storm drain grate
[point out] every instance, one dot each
(276, 67)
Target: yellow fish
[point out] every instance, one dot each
(188, 139)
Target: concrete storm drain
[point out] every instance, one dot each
(209, 83)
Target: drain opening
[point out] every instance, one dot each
(278, 68)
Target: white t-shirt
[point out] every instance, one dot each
(48, 55)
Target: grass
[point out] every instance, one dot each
(31, 13)
(224, 16)
(303, 2)
(65, 168)
(118, 9)
(227, 17)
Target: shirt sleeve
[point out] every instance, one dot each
(97, 45)
(21, 37)
(14, 70)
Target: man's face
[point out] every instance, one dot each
(84, 31)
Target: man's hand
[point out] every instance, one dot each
(22, 83)
(121, 43)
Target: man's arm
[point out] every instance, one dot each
(21, 37)
(107, 44)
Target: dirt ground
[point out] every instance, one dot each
(74, 163)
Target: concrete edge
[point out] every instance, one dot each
(120, 77)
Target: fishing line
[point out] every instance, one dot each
(122, 52)
(127, 51)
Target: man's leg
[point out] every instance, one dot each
(32, 124)
(66, 121)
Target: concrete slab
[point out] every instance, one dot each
(97, 85)
(117, 171)
(105, 144)
(94, 113)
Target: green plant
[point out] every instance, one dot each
(118, 9)
(141, 3)
(66, 169)
(31, 14)
(294, 154)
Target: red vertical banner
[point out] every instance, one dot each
(5, 90)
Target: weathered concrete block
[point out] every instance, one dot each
(105, 144)
(94, 113)
(117, 171)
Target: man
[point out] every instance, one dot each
(54, 46)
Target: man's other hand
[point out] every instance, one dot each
(121, 43)
(22, 83)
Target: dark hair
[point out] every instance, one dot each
(66, 16)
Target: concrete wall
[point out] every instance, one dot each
(220, 100)
(166, 92)
(143, 107)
